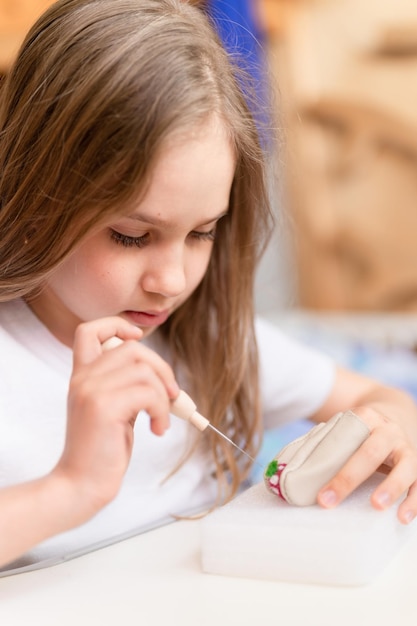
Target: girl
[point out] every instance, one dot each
(133, 203)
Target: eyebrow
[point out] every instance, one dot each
(141, 217)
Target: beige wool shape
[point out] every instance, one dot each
(313, 459)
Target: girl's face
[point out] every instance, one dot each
(143, 266)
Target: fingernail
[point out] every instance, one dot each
(328, 497)
(383, 499)
(408, 517)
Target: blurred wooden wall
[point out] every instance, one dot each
(347, 72)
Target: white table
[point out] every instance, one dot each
(156, 579)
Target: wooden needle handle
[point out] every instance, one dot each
(185, 408)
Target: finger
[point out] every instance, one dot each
(89, 336)
(146, 398)
(132, 352)
(400, 478)
(139, 377)
(407, 510)
(361, 465)
(119, 392)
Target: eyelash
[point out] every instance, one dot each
(126, 241)
(208, 236)
(140, 242)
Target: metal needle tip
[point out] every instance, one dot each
(235, 445)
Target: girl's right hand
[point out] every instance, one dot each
(107, 390)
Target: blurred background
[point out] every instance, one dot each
(341, 270)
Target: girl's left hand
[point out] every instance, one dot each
(387, 449)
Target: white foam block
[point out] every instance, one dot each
(258, 535)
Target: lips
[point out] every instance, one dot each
(147, 318)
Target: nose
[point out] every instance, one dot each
(165, 273)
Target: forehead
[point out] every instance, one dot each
(193, 170)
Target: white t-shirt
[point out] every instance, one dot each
(35, 370)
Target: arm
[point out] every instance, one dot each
(391, 416)
(107, 390)
(35, 511)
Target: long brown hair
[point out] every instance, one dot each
(96, 90)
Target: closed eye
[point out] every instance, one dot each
(204, 236)
(127, 241)
(139, 242)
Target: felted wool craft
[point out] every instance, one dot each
(304, 466)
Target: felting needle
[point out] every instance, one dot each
(185, 408)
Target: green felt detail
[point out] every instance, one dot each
(271, 469)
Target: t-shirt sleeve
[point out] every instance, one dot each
(295, 379)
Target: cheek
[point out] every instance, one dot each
(89, 272)
(83, 267)
(106, 279)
